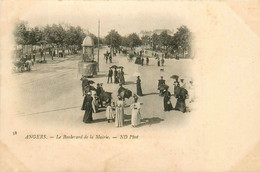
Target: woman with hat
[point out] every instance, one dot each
(167, 101)
(138, 87)
(119, 115)
(87, 106)
(136, 115)
(109, 111)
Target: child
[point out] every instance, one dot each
(109, 112)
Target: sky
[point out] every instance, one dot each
(125, 17)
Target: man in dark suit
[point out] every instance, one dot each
(110, 74)
(116, 76)
(161, 82)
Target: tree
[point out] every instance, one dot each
(35, 36)
(124, 41)
(181, 40)
(146, 40)
(113, 39)
(74, 36)
(134, 40)
(165, 39)
(155, 41)
(21, 33)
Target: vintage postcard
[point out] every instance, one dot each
(130, 85)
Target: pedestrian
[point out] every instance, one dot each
(158, 61)
(41, 55)
(161, 82)
(115, 76)
(33, 57)
(182, 83)
(106, 56)
(147, 61)
(101, 91)
(162, 61)
(181, 95)
(94, 101)
(135, 115)
(122, 79)
(87, 106)
(119, 114)
(138, 86)
(98, 89)
(84, 81)
(191, 92)
(110, 57)
(119, 75)
(167, 101)
(109, 111)
(142, 61)
(177, 87)
(110, 74)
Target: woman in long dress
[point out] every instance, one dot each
(94, 101)
(87, 106)
(136, 115)
(167, 101)
(138, 87)
(109, 112)
(181, 96)
(122, 79)
(119, 115)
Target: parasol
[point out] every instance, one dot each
(114, 66)
(126, 93)
(175, 77)
(90, 82)
(136, 74)
(92, 88)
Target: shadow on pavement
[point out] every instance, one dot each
(101, 75)
(150, 121)
(129, 83)
(150, 94)
(99, 120)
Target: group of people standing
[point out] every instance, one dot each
(114, 110)
(119, 75)
(118, 115)
(181, 93)
(108, 56)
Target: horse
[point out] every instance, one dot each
(125, 93)
(104, 97)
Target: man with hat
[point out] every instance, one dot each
(161, 82)
(110, 74)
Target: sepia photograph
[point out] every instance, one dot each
(130, 86)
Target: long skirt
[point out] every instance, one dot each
(136, 117)
(167, 105)
(109, 113)
(180, 105)
(139, 89)
(88, 116)
(119, 117)
(122, 80)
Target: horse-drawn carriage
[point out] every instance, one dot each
(22, 65)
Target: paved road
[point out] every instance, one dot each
(51, 93)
